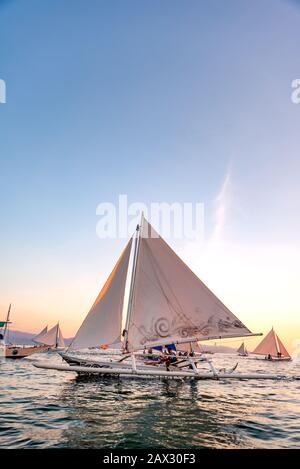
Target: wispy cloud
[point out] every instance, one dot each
(222, 204)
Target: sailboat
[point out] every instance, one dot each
(15, 351)
(40, 334)
(167, 303)
(3, 329)
(272, 348)
(52, 338)
(242, 351)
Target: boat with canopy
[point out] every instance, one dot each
(166, 304)
(272, 348)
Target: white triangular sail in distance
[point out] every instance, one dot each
(271, 345)
(242, 349)
(103, 324)
(53, 337)
(170, 303)
(39, 336)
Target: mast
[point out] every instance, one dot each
(56, 339)
(7, 321)
(132, 281)
(276, 341)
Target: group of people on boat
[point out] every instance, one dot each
(269, 356)
(168, 355)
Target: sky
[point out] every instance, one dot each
(165, 102)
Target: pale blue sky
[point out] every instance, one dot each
(154, 99)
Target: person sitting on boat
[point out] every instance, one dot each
(269, 357)
(168, 358)
(172, 355)
(151, 358)
(150, 355)
(164, 358)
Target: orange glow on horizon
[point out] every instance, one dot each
(259, 284)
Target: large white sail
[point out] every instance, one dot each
(38, 337)
(170, 303)
(103, 324)
(53, 338)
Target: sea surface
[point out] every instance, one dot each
(50, 409)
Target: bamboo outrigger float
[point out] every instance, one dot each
(167, 304)
(162, 374)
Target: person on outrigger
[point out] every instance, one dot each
(150, 357)
(168, 357)
(172, 355)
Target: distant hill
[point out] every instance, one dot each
(25, 338)
(217, 348)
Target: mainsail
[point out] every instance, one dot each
(271, 345)
(170, 303)
(283, 351)
(37, 338)
(103, 324)
(53, 338)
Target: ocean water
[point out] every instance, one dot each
(49, 409)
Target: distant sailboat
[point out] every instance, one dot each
(272, 348)
(15, 351)
(52, 338)
(40, 334)
(167, 304)
(242, 351)
(3, 330)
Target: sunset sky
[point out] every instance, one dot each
(165, 101)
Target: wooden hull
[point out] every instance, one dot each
(274, 359)
(55, 349)
(76, 361)
(17, 352)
